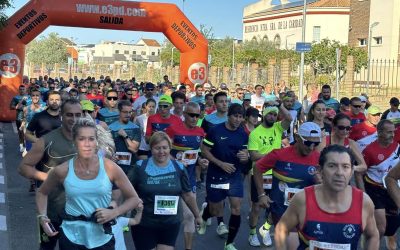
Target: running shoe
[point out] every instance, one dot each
(222, 230)
(203, 206)
(266, 236)
(21, 148)
(253, 240)
(202, 228)
(230, 247)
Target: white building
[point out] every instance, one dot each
(85, 53)
(385, 37)
(145, 50)
(282, 23)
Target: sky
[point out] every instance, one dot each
(223, 16)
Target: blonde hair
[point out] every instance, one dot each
(158, 137)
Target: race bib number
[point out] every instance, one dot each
(289, 193)
(224, 186)
(267, 181)
(316, 245)
(124, 158)
(189, 157)
(166, 205)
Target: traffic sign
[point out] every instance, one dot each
(303, 47)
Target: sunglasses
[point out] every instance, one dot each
(193, 115)
(135, 90)
(150, 89)
(163, 106)
(114, 98)
(340, 127)
(309, 143)
(356, 106)
(128, 93)
(84, 92)
(87, 111)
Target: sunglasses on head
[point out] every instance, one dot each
(309, 143)
(193, 115)
(87, 111)
(114, 98)
(340, 127)
(163, 106)
(356, 106)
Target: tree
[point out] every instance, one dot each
(48, 50)
(3, 5)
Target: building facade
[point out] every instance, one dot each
(282, 24)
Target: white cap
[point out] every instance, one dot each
(309, 129)
(363, 98)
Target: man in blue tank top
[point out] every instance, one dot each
(331, 215)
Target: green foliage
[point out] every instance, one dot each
(3, 5)
(48, 50)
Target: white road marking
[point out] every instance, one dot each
(1, 147)
(1, 140)
(1, 155)
(1, 135)
(2, 198)
(1, 179)
(15, 128)
(3, 223)
(1, 165)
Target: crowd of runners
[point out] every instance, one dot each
(106, 156)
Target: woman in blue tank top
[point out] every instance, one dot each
(87, 180)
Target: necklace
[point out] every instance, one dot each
(87, 171)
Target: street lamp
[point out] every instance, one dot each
(172, 56)
(303, 38)
(233, 58)
(287, 38)
(369, 51)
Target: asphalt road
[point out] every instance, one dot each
(18, 227)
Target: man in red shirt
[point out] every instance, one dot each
(355, 113)
(365, 133)
(163, 118)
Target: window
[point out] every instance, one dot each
(378, 40)
(254, 38)
(117, 52)
(126, 52)
(277, 41)
(153, 53)
(133, 52)
(362, 41)
(317, 34)
(265, 38)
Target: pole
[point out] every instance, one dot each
(172, 57)
(233, 59)
(337, 72)
(303, 38)
(369, 57)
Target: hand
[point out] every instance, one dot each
(122, 132)
(243, 155)
(228, 167)
(203, 163)
(140, 207)
(44, 223)
(104, 215)
(198, 221)
(264, 201)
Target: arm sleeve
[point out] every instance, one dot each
(267, 162)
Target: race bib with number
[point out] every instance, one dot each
(224, 186)
(124, 158)
(316, 245)
(189, 157)
(166, 205)
(289, 193)
(267, 181)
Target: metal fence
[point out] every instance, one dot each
(384, 78)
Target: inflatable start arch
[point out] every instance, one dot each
(37, 15)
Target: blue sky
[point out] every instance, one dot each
(224, 16)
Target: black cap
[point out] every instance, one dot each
(149, 85)
(345, 101)
(252, 112)
(223, 86)
(394, 101)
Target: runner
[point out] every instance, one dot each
(225, 146)
(218, 117)
(380, 156)
(186, 141)
(198, 97)
(265, 138)
(328, 100)
(126, 136)
(356, 115)
(109, 113)
(141, 121)
(294, 168)
(365, 133)
(48, 152)
(18, 103)
(394, 111)
(332, 215)
(178, 102)
(258, 100)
